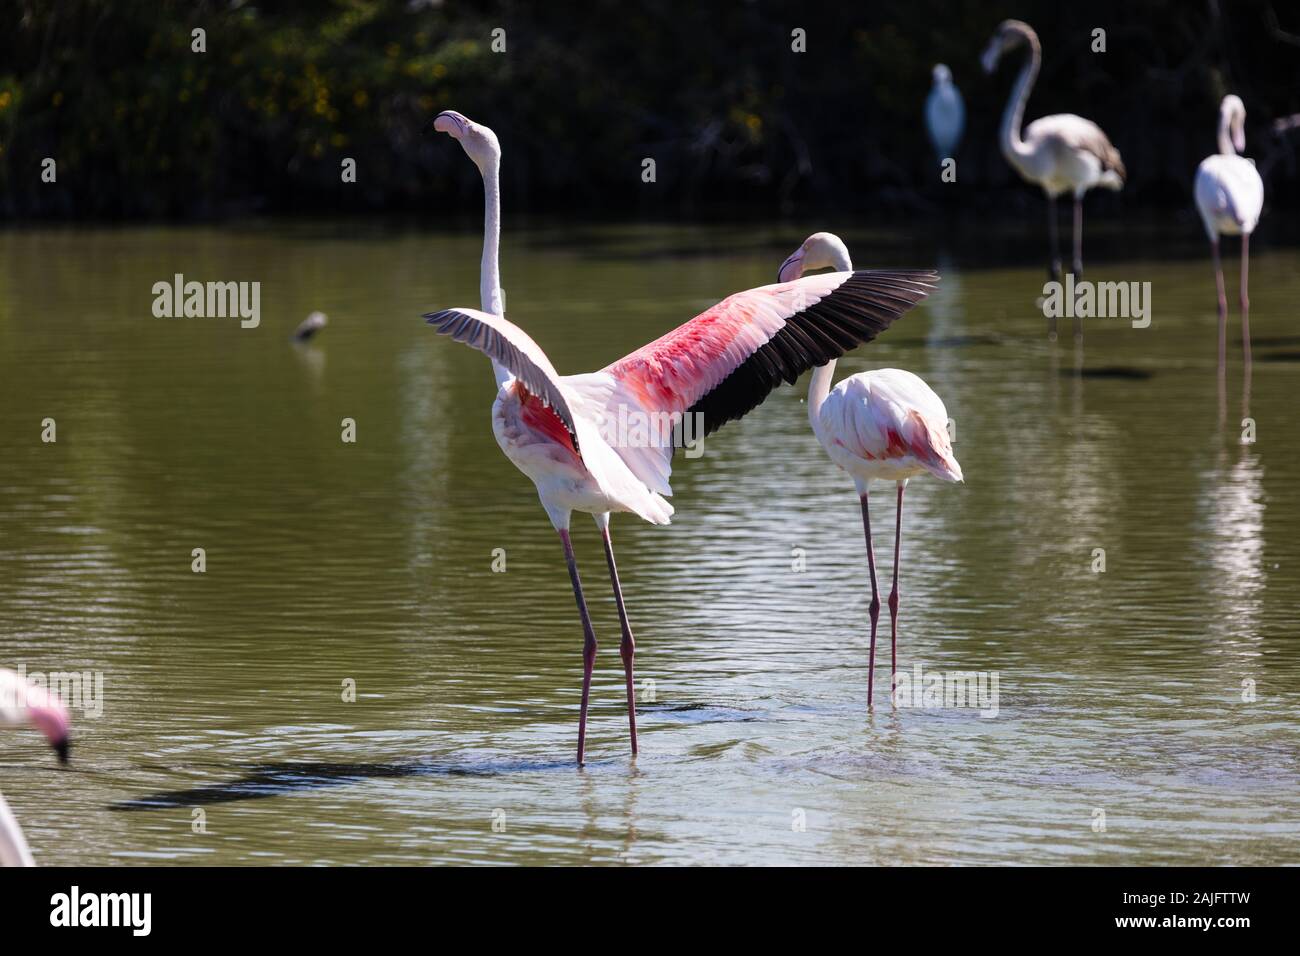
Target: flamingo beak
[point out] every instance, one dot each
(989, 58)
(792, 268)
(452, 123)
(61, 748)
(1239, 137)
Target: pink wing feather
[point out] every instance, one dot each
(725, 361)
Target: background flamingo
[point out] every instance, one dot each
(945, 114)
(717, 367)
(1230, 196)
(24, 704)
(1060, 153)
(885, 424)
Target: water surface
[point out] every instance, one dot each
(1120, 692)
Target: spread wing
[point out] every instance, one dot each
(513, 349)
(727, 360)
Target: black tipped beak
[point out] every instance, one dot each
(61, 748)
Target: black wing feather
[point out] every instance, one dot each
(862, 307)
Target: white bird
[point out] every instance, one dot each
(603, 441)
(945, 114)
(886, 425)
(25, 704)
(1230, 197)
(1060, 153)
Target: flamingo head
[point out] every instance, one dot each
(1009, 35)
(24, 703)
(479, 142)
(1232, 113)
(821, 250)
(941, 75)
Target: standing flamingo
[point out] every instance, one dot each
(1230, 197)
(24, 704)
(717, 367)
(945, 114)
(1060, 153)
(885, 424)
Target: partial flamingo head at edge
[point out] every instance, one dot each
(25, 703)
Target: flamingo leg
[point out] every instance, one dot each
(1245, 299)
(1054, 242)
(893, 594)
(1078, 238)
(1078, 258)
(875, 597)
(1053, 257)
(626, 650)
(1223, 301)
(589, 643)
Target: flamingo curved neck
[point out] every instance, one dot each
(819, 386)
(1225, 135)
(491, 298)
(1013, 147)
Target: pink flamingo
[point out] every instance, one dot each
(561, 431)
(1230, 196)
(886, 425)
(1061, 153)
(24, 704)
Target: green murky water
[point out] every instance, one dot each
(1120, 693)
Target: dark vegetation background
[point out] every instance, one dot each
(739, 125)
